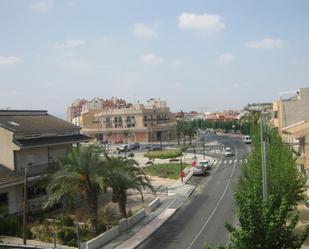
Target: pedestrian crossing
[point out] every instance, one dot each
(231, 161)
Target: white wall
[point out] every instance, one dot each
(14, 198)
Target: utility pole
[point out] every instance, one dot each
(25, 207)
(181, 174)
(78, 237)
(264, 162)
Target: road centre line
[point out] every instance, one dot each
(216, 207)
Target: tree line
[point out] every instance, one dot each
(186, 129)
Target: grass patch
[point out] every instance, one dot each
(165, 170)
(163, 154)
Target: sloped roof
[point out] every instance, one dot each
(32, 121)
(298, 130)
(8, 176)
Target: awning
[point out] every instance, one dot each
(298, 130)
(45, 141)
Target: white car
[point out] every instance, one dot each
(247, 140)
(228, 152)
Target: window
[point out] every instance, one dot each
(3, 199)
(32, 135)
(275, 114)
(14, 123)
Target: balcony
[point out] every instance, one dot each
(38, 169)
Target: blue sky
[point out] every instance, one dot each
(195, 54)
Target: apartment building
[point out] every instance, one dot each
(150, 122)
(31, 141)
(291, 118)
(74, 110)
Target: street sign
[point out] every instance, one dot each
(307, 202)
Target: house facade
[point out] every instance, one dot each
(291, 118)
(31, 141)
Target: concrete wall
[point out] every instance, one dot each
(14, 198)
(6, 148)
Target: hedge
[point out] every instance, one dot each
(163, 154)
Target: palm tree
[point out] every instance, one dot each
(79, 173)
(125, 174)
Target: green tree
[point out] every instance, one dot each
(79, 173)
(270, 224)
(190, 131)
(126, 134)
(124, 174)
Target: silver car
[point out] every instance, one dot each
(199, 170)
(228, 152)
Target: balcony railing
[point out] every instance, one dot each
(36, 170)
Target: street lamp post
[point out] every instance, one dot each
(263, 153)
(264, 162)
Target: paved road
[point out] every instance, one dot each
(201, 219)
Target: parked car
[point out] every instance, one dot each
(136, 146)
(155, 148)
(206, 164)
(247, 140)
(228, 152)
(199, 170)
(123, 148)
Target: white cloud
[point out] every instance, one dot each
(9, 61)
(204, 22)
(225, 58)
(42, 6)
(69, 43)
(141, 30)
(267, 43)
(151, 59)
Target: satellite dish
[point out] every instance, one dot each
(307, 202)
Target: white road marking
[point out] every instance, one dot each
(225, 161)
(231, 161)
(219, 162)
(235, 161)
(215, 209)
(240, 160)
(215, 162)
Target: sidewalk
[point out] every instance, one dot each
(178, 192)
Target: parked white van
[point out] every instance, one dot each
(247, 140)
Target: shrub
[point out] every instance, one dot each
(131, 154)
(68, 236)
(66, 220)
(10, 225)
(163, 154)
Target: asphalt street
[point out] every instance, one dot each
(201, 219)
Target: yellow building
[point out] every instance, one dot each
(151, 122)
